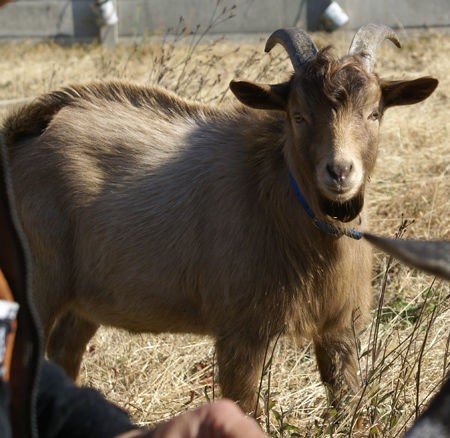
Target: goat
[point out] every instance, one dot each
(151, 213)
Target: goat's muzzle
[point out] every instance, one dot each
(339, 180)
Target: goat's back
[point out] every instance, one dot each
(138, 190)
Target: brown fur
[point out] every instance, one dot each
(150, 213)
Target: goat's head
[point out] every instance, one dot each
(333, 108)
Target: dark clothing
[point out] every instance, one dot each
(64, 410)
(5, 423)
(67, 411)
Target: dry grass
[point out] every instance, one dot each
(155, 377)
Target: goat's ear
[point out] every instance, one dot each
(261, 96)
(407, 92)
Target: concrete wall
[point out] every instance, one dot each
(398, 13)
(63, 19)
(75, 20)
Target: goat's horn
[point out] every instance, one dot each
(431, 256)
(366, 41)
(297, 44)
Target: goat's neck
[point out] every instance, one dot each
(271, 170)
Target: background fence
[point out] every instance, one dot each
(75, 19)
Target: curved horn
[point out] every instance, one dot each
(297, 44)
(366, 41)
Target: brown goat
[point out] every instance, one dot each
(151, 213)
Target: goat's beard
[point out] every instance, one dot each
(343, 211)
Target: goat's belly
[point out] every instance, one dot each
(139, 313)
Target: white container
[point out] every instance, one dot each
(108, 12)
(333, 17)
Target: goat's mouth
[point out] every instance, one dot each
(342, 211)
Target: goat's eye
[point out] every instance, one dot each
(298, 118)
(374, 115)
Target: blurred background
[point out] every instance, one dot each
(76, 20)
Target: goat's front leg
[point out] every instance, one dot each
(240, 360)
(337, 362)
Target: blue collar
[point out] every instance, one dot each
(322, 226)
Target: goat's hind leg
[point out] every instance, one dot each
(67, 342)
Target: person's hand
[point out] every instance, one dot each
(221, 419)
(3, 2)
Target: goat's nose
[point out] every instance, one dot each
(339, 171)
